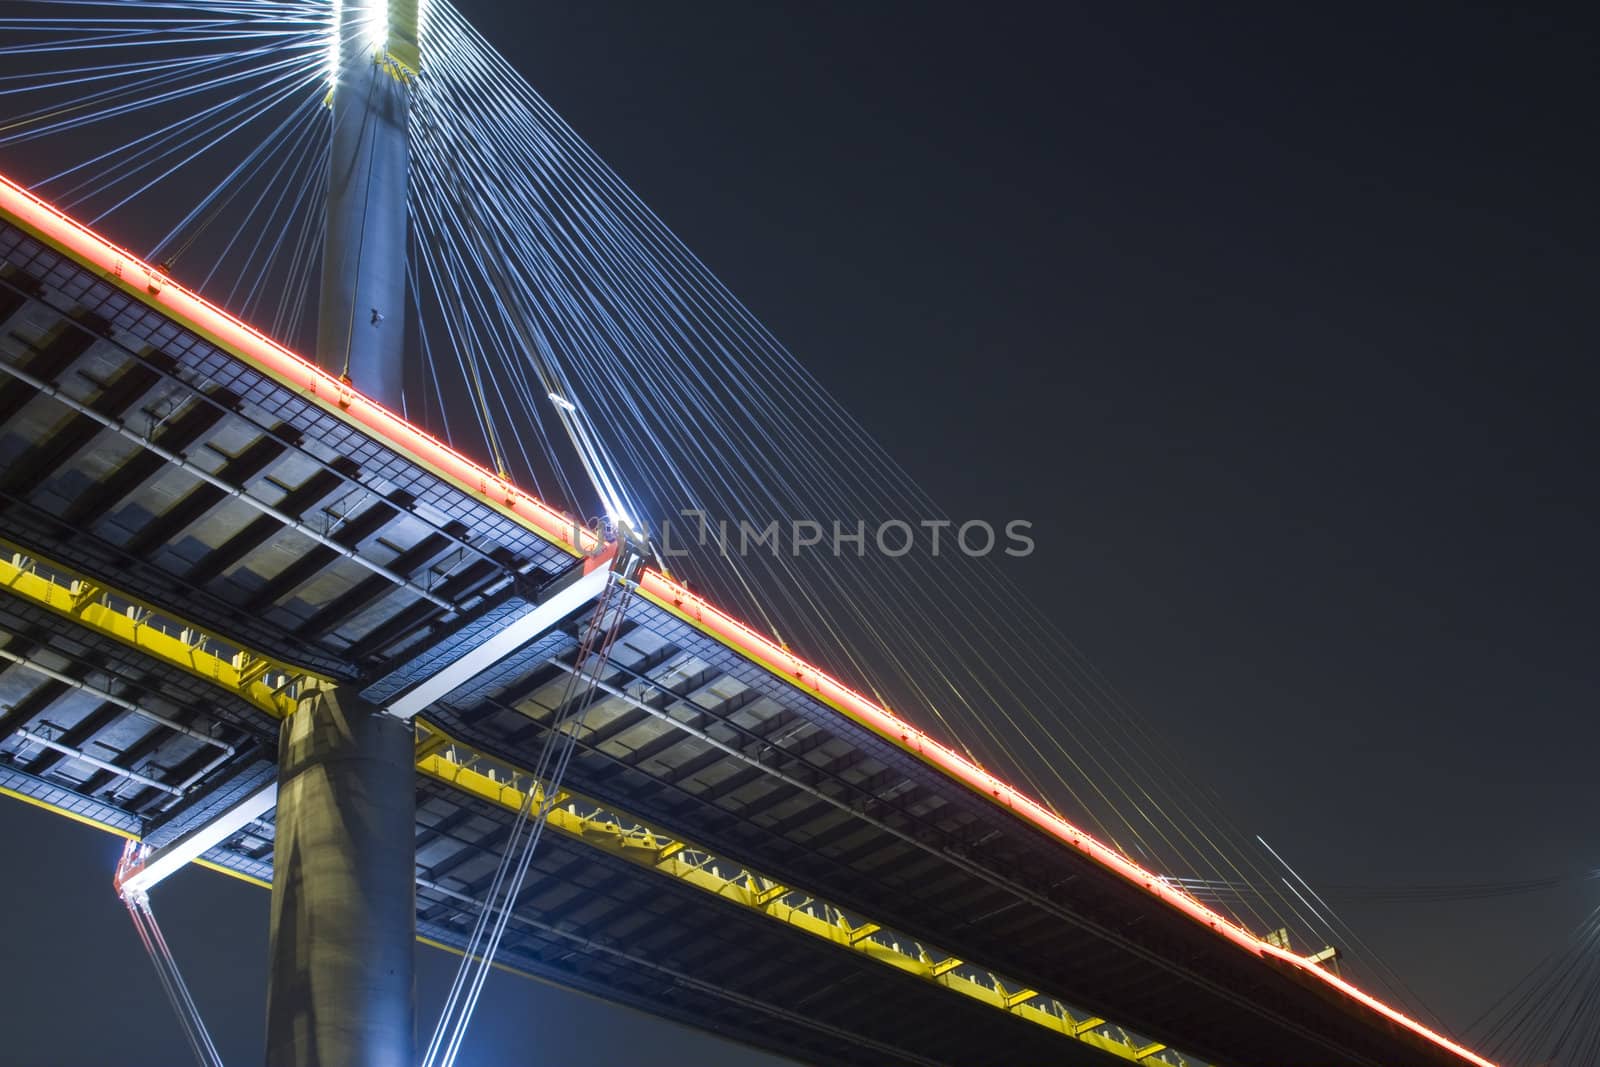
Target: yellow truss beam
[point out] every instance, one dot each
(617, 834)
(260, 680)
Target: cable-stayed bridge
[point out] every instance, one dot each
(256, 618)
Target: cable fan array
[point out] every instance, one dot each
(538, 270)
(196, 131)
(1552, 1016)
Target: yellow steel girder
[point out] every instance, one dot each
(266, 683)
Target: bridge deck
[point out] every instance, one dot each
(188, 474)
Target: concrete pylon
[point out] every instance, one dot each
(341, 985)
(362, 317)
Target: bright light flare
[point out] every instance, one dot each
(375, 24)
(371, 19)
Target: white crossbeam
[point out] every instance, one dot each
(503, 644)
(197, 842)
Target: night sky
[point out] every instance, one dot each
(1278, 325)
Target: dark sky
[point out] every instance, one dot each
(1278, 324)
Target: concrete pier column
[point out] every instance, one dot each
(341, 989)
(341, 992)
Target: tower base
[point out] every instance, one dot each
(341, 988)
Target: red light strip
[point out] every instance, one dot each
(719, 624)
(339, 398)
(256, 349)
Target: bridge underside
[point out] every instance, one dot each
(138, 457)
